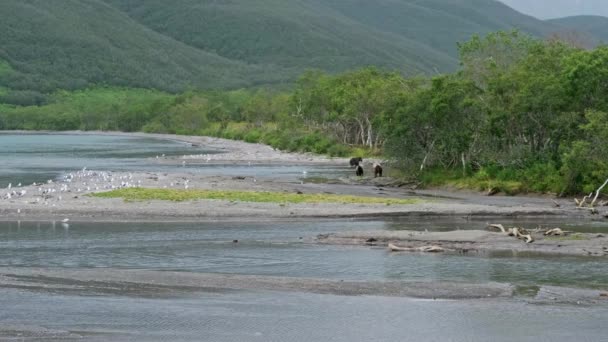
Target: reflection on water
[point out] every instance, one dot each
(293, 317)
(272, 249)
(29, 158)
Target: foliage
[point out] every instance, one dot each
(145, 194)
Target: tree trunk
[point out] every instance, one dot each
(464, 165)
(426, 156)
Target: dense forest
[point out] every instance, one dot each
(174, 46)
(521, 114)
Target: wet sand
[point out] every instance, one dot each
(477, 242)
(165, 284)
(170, 284)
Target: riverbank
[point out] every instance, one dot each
(71, 198)
(167, 284)
(477, 242)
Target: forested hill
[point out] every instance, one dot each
(176, 45)
(70, 44)
(595, 25)
(334, 35)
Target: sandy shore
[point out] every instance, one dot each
(478, 242)
(68, 197)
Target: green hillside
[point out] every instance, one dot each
(594, 25)
(290, 33)
(439, 23)
(73, 44)
(70, 44)
(417, 36)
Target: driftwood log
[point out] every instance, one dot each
(426, 249)
(556, 232)
(583, 203)
(519, 233)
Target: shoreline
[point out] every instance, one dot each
(69, 198)
(230, 151)
(476, 242)
(137, 283)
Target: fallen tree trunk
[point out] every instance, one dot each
(519, 233)
(426, 249)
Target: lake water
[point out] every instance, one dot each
(28, 158)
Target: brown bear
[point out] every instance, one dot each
(355, 161)
(377, 170)
(359, 170)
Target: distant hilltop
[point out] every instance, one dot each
(550, 9)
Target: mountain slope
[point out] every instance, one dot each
(290, 33)
(332, 34)
(72, 44)
(594, 25)
(176, 45)
(439, 23)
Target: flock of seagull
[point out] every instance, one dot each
(51, 192)
(84, 180)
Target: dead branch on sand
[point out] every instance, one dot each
(583, 203)
(425, 249)
(518, 233)
(556, 232)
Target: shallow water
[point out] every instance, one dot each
(28, 158)
(293, 317)
(273, 249)
(277, 249)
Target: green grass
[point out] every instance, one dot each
(144, 194)
(478, 182)
(500, 186)
(571, 237)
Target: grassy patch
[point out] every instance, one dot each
(142, 194)
(506, 187)
(571, 237)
